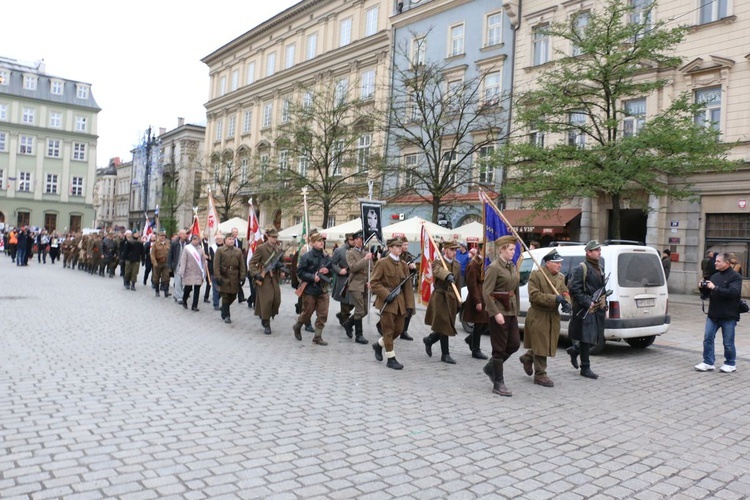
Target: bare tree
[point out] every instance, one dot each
(229, 177)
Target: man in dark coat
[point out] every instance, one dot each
(443, 305)
(474, 309)
(173, 261)
(229, 274)
(340, 274)
(267, 289)
(314, 274)
(587, 322)
(132, 254)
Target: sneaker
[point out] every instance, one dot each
(728, 368)
(703, 367)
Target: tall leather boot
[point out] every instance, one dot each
(223, 310)
(446, 355)
(476, 337)
(166, 291)
(359, 337)
(348, 325)
(585, 362)
(428, 341)
(266, 326)
(297, 329)
(228, 318)
(573, 351)
(498, 386)
(489, 370)
(318, 338)
(405, 334)
(156, 290)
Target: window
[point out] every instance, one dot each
(4, 112)
(82, 91)
(222, 86)
(453, 96)
(312, 46)
(235, 79)
(710, 115)
(3, 142)
(75, 223)
(302, 166)
(26, 145)
(28, 115)
(247, 122)
(2, 179)
(297, 219)
(219, 129)
(231, 126)
(448, 163)
(410, 161)
(641, 14)
(29, 82)
(342, 89)
(76, 186)
(307, 100)
(486, 169)
(345, 32)
(338, 154)
(271, 64)
(363, 152)
(289, 60)
(541, 45)
(243, 170)
(331, 221)
(250, 73)
(79, 151)
(50, 221)
(264, 162)
(576, 136)
(56, 87)
(580, 21)
(419, 51)
(457, 40)
(371, 24)
(24, 219)
(50, 187)
(24, 181)
(53, 148)
(712, 10)
(283, 160)
(367, 89)
(81, 123)
(4, 77)
(494, 29)
(635, 117)
(536, 136)
(285, 110)
(492, 88)
(55, 119)
(216, 171)
(267, 114)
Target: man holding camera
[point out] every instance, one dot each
(723, 291)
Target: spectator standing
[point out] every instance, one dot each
(666, 261)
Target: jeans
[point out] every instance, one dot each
(216, 296)
(727, 334)
(21, 257)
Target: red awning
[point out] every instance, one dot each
(551, 219)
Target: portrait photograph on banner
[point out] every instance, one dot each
(372, 222)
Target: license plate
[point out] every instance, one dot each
(645, 302)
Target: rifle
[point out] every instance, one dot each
(397, 289)
(270, 265)
(598, 294)
(324, 278)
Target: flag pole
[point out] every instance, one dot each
(484, 234)
(442, 261)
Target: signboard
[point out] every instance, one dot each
(674, 223)
(674, 241)
(742, 203)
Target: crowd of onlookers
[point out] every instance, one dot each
(22, 243)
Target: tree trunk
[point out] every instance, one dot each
(435, 208)
(326, 211)
(615, 229)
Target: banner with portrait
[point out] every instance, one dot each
(372, 221)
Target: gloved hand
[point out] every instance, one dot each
(259, 278)
(602, 302)
(560, 299)
(566, 308)
(242, 282)
(409, 312)
(450, 278)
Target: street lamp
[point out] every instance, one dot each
(151, 142)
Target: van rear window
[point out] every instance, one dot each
(639, 269)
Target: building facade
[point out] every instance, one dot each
(104, 194)
(715, 71)
(48, 143)
(255, 77)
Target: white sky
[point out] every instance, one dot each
(141, 57)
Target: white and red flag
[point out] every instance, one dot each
(254, 234)
(212, 220)
(196, 227)
(426, 280)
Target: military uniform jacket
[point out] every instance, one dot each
(386, 275)
(338, 262)
(542, 327)
(308, 266)
(443, 306)
(501, 276)
(229, 267)
(358, 268)
(474, 296)
(591, 328)
(268, 293)
(159, 252)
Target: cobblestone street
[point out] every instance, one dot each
(112, 393)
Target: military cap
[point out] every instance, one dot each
(394, 242)
(349, 236)
(162, 231)
(553, 256)
(404, 239)
(358, 234)
(593, 245)
(271, 232)
(316, 236)
(506, 240)
(450, 245)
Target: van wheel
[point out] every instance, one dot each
(467, 326)
(641, 342)
(597, 348)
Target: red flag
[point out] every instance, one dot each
(147, 229)
(196, 229)
(254, 234)
(426, 279)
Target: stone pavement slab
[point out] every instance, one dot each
(112, 393)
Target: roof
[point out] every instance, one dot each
(550, 218)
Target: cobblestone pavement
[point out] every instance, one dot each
(112, 393)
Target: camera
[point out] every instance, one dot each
(704, 290)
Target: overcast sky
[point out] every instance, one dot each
(141, 57)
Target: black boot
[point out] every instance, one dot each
(474, 340)
(573, 352)
(185, 298)
(309, 328)
(266, 326)
(228, 318)
(223, 311)
(446, 356)
(349, 327)
(584, 349)
(428, 341)
(166, 291)
(156, 291)
(297, 329)
(586, 372)
(359, 337)
(132, 285)
(392, 363)
(405, 334)
(378, 351)
(498, 386)
(489, 370)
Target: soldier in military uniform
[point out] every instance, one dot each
(229, 274)
(359, 262)
(132, 254)
(542, 327)
(267, 289)
(474, 310)
(159, 264)
(500, 292)
(394, 304)
(314, 273)
(109, 253)
(341, 273)
(443, 306)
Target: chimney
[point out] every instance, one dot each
(180, 121)
(41, 67)
(162, 130)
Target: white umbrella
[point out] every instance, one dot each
(238, 222)
(291, 233)
(412, 229)
(470, 233)
(338, 233)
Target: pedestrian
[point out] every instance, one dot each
(723, 291)
(265, 268)
(666, 262)
(735, 263)
(148, 265)
(708, 268)
(209, 263)
(54, 247)
(314, 273)
(175, 252)
(340, 271)
(359, 263)
(160, 250)
(474, 310)
(192, 271)
(13, 244)
(394, 304)
(500, 293)
(218, 243)
(547, 291)
(463, 257)
(132, 255)
(229, 274)
(587, 322)
(42, 242)
(443, 305)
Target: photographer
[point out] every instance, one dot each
(723, 293)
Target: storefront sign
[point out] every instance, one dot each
(674, 241)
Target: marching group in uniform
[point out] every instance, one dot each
(350, 274)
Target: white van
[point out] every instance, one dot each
(639, 301)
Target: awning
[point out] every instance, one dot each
(525, 221)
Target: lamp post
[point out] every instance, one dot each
(151, 141)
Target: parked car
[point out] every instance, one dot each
(638, 306)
